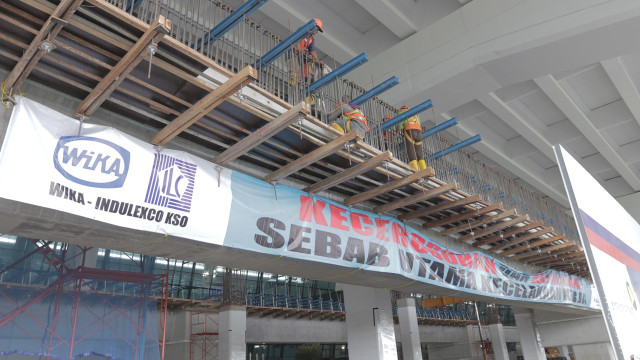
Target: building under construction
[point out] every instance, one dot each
(181, 180)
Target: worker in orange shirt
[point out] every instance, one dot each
(307, 48)
(412, 140)
(346, 117)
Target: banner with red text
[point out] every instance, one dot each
(50, 160)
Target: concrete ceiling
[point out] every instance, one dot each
(525, 74)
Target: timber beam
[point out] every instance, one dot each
(308, 159)
(521, 239)
(497, 227)
(507, 234)
(415, 198)
(41, 44)
(478, 223)
(101, 92)
(443, 206)
(547, 252)
(205, 105)
(462, 217)
(390, 186)
(561, 260)
(533, 244)
(349, 173)
(264, 133)
(541, 252)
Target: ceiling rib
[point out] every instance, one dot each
(624, 84)
(554, 90)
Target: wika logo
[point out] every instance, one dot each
(91, 161)
(171, 183)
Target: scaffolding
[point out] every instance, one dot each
(204, 336)
(66, 309)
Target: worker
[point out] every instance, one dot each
(346, 117)
(307, 48)
(412, 140)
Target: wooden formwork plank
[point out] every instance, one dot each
(390, 186)
(541, 241)
(507, 234)
(478, 223)
(125, 66)
(204, 105)
(445, 205)
(497, 227)
(349, 173)
(259, 136)
(412, 199)
(310, 158)
(462, 217)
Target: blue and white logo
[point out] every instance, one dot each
(91, 161)
(171, 183)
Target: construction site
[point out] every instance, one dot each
(280, 179)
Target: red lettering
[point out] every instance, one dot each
(337, 217)
(464, 259)
(357, 224)
(417, 243)
(381, 229)
(434, 250)
(400, 234)
(490, 265)
(309, 207)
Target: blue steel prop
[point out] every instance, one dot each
(304, 31)
(405, 115)
(229, 22)
(340, 71)
(384, 86)
(458, 146)
(436, 129)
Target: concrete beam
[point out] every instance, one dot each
(568, 105)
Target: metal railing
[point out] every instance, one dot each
(245, 43)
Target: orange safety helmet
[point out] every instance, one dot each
(319, 24)
(388, 117)
(403, 108)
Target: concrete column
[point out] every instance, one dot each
(530, 340)
(233, 326)
(409, 333)
(498, 342)
(370, 332)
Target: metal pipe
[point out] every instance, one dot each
(384, 86)
(304, 31)
(436, 129)
(458, 146)
(405, 115)
(229, 22)
(342, 70)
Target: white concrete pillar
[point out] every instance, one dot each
(498, 342)
(233, 326)
(530, 340)
(370, 333)
(409, 332)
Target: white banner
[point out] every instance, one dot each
(611, 240)
(103, 174)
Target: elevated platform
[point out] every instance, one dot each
(90, 49)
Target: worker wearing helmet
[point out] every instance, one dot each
(347, 117)
(412, 140)
(308, 46)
